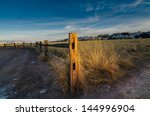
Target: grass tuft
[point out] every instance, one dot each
(100, 61)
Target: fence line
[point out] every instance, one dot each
(73, 52)
(18, 45)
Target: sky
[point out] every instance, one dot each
(33, 20)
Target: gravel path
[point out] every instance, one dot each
(23, 75)
(134, 86)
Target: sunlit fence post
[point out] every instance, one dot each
(73, 42)
(46, 47)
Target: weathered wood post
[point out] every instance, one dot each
(23, 45)
(36, 45)
(40, 46)
(73, 42)
(46, 47)
(4, 45)
(14, 45)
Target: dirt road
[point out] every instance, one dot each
(23, 75)
(134, 86)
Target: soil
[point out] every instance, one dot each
(24, 76)
(134, 86)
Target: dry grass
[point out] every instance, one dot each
(59, 62)
(1, 45)
(59, 52)
(100, 61)
(62, 72)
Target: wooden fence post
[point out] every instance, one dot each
(40, 46)
(4, 45)
(73, 42)
(36, 45)
(46, 47)
(23, 45)
(14, 45)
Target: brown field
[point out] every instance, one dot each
(103, 61)
(107, 69)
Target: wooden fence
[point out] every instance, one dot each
(17, 45)
(73, 52)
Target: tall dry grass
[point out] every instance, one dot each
(100, 61)
(59, 62)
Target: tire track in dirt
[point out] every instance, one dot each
(23, 75)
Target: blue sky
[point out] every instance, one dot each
(54, 19)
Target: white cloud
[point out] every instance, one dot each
(137, 2)
(146, 3)
(85, 26)
(46, 24)
(143, 25)
(124, 7)
(34, 35)
(133, 4)
(93, 19)
(68, 27)
(40, 35)
(89, 8)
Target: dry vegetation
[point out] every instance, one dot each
(100, 61)
(106, 61)
(59, 61)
